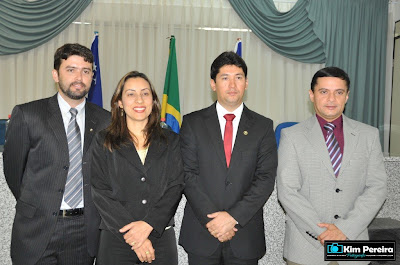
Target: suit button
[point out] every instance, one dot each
(144, 201)
(54, 213)
(143, 179)
(337, 216)
(65, 167)
(338, 190)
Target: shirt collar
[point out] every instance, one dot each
(222, 111)
(338, 122)
(65, 107)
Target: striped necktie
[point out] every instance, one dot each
(333, 148)
(73, 187)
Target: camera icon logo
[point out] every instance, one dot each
(334, 248)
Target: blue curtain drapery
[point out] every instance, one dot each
(350, 34)
(354, 34)
(290, 34)
(27, 24)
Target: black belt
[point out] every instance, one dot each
(71, 212)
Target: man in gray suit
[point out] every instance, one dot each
(47, 167)
(331, 184)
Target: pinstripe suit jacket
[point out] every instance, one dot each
(311, 194)
(36, 164)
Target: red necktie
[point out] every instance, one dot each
(228, 137)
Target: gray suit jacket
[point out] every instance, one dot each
(311, 194)
(36, 164)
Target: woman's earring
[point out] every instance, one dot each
(122, 112)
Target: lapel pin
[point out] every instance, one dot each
(245, 132)
(91, 130)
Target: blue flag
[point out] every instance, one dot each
(95, 95)
(238, 47)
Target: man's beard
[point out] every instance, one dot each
(73, 95)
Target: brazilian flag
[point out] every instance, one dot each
(170, 110)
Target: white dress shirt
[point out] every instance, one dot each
(221, 111)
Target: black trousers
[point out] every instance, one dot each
(113, 251)
(223, 256)
(68, 244)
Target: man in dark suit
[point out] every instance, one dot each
(230, 160)
(56, 221)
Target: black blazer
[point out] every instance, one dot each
(241, 190)
(124, 190)
(36, 164)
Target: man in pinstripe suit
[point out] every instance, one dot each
(328, 195)
(47, 229)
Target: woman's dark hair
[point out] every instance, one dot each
(117, 133)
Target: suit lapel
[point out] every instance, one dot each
(56, 123)
(316, 139)
(156, 150)
(245, 125)
(90, 126)
(130, 154)
(350, 142)
(214, 131)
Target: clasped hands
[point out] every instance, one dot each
(136, 235)
(331, 233)
(222, 226)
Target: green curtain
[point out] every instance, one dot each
(290, 34)
(353, 36)
(25, 25)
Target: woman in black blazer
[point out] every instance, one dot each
(137, 179)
